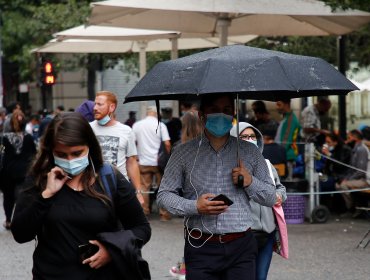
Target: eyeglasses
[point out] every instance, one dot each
(247, 137)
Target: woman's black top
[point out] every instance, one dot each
(19, 152)
(71, 218)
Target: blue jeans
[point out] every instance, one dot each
(264, 257)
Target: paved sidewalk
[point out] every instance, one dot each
(317, 251)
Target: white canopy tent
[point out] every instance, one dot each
(137, 40)
(209, 18)
(100, 39)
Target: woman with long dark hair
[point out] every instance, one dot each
(20, 150)
(68, 208)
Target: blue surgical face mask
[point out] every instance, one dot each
(104, 120)
(253, 142)
(74, 166)
(219, 124)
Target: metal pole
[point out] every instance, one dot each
(1, 67)
(174, 48)
(342, 114)
(311, 167)
(175, 55)
(43, 95)
(223, 24)
(142, 65)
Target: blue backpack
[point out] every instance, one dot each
(109, 179)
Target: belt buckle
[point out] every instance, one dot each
(220, 238)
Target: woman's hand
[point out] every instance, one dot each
(279, 200)
(56, 179)
(140, 197)
(101, 258)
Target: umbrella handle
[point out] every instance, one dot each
(240, 177)
(240, 181)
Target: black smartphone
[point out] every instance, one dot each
(224, 198)
(87, 250)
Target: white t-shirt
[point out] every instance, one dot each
(117, 143)
(148, 141)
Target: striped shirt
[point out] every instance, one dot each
(196, 168)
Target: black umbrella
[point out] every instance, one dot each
(250, 72)
(242, 71)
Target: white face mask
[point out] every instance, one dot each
(253, 142)
(74, 166)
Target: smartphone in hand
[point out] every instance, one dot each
(224, 198)
(87, 250)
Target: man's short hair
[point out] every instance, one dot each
(111, 97)
(356, 133)
(285, 100)
(167, 110)
(259, 107)
(208, 100)
(269, 133)
(151, 109)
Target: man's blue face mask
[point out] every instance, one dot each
(219, 124)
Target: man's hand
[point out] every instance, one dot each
(241, 170)
(207, 207)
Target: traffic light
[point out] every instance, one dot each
(47, 73)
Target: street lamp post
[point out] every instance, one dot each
(1, 67)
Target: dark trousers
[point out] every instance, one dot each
(222, 261)
(10, 189)
(9, 194)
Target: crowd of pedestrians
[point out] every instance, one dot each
(202, 157)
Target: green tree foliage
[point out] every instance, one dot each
(29, 24)
(358, 47)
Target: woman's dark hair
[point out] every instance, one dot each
(70, 129)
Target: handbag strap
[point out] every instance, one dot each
(270, 171)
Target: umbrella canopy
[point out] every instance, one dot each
(208, 18)
(122, 46)
(113, 33)
(251, 72)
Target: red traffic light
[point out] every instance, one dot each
(48, 68)
(47, 74)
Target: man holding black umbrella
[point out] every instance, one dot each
(219, 243)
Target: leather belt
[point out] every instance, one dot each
(218, 238)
